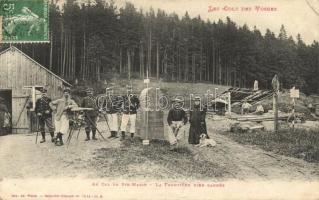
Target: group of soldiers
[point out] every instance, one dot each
(110, 108)
(63, 108)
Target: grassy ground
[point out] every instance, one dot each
(300, 143)
(153, 161)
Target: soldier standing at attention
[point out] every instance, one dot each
(112, 109)
(44, 113)
(90, 115)
(130, 105)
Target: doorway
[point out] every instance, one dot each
(5, 112)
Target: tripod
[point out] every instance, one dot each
(77, 124)
(106, 121)
(38, 125)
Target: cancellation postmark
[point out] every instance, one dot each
(24, 21)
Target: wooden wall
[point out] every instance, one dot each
(17, 71)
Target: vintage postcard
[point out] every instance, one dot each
(159, 99)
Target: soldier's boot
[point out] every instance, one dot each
(115, 134)
(93, 135)
(52, 136)
(132, 137)
(112, 134)
(61, 139)
(123, 136)
(43, 137)
(87, 135)
(56, 138)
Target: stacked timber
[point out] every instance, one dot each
(246, 127)
(259, 118)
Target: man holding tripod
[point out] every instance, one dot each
(62, 108)
(44, 113)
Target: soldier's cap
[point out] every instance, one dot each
(197, 98)
(67, 90)
(129, 86)
(89, 90)
(177, 100)
(43, 90)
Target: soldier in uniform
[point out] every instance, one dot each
(176, 120)
(112, 109)
(91, 115)
(44, 113)
(130, 105)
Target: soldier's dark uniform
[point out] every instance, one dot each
(44, 113)
(90, 116)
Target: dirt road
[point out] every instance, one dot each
(21, 158)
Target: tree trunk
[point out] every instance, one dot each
(121, 67)
(179, 64)
(141, 59)
(149, 56)
(129, 63)
(214, 64)
(186, 65)
(193, 68)
(157, 61)
(201, 63)
(51, 50)
(98, 69)
(219, 69)
(64, 55)
(61, 50)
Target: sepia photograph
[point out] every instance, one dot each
(159, 99)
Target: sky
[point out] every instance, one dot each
(296, 15)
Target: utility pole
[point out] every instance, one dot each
(275, 85)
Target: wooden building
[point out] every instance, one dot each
(18, 75)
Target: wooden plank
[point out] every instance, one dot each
(6, 70)
(11, 57)
(18, 106)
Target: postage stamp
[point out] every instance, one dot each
(24, 21)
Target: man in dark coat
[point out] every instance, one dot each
(91, 115)
(176, 120)
(197, 122)
(44, 113)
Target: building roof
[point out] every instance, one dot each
(47, 70)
